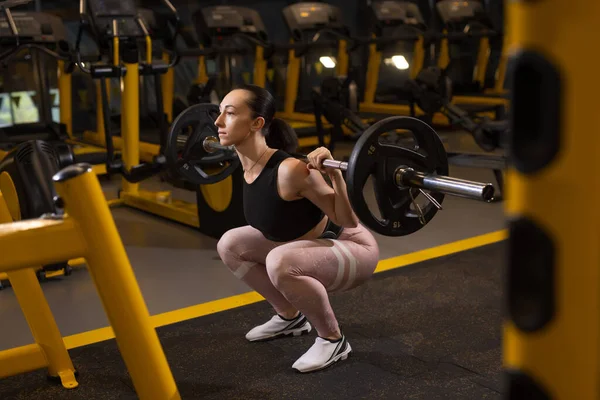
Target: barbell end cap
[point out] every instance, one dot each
(72, 171)
(206, 144)
(488, 192)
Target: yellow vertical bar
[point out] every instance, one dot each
(116, 50)
(260, 67)
(148, 50)
(168, 88)
(65, 98)
(43, 327)
(418, 58)
(99, 110)
(39, 317)
(444, 56)
(117, 286)
(483, 57)
(551, 337)
(130, 122)
(292, 79)
(372, 74)
(342, 59)
(202, 75)
(507, 43)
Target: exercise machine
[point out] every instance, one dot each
(231, 35)
(396, 52)
(31, 108)
(321, 39)
(118, 28)
(402, 44)
(155, 121)
(466, 26)
(234, 33)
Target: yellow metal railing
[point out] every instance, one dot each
(90, 231)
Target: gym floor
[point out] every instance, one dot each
(431, 329)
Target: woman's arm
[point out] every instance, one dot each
(298, 179)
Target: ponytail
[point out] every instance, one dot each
(280, 135)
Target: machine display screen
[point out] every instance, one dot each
(452, 10)
(397, 10)
(113, 7)
(311, 14)
(225, 17)
(26, 26)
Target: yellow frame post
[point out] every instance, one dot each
(444, 56)
(483, 58)
(91, 232)
(65, 98)
(551, 334)
(202, 77)
(130, 122)
(49, 349)
(292, 80)
(418, 57)
(168, 88)
(507, 42)
(372, 74)
(260, 67)
(342, 59)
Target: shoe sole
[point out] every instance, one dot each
(342, 356)
(294, 332)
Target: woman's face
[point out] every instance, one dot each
(235, 121)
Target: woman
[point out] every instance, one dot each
(303, 239)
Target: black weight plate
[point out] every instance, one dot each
(190, 160)
(380, 160)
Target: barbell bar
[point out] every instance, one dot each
(404, 177)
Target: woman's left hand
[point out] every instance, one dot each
(316, 158)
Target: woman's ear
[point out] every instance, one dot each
(258, 123)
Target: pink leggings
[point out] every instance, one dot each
(297, 275)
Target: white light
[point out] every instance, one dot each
(400, 62)
(327, 62)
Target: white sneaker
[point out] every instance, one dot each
(277, 326)
(322, 354)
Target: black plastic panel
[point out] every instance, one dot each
(531, 275)
(523, 387)
(536, 112)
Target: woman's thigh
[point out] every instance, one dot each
(245, 243)
(339, 264)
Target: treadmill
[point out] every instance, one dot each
(397, 53)
(235, 39)
(468, 27)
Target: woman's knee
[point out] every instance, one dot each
(226, 244)
(231, 246)
(279, 266)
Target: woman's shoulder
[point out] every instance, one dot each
(293, 168)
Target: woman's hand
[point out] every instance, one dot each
(316, 158)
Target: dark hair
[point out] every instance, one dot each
(278, 133)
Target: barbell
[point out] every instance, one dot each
(399, 173)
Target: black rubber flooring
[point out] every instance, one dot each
(428, 331)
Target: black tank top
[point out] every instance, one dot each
(278, 219)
